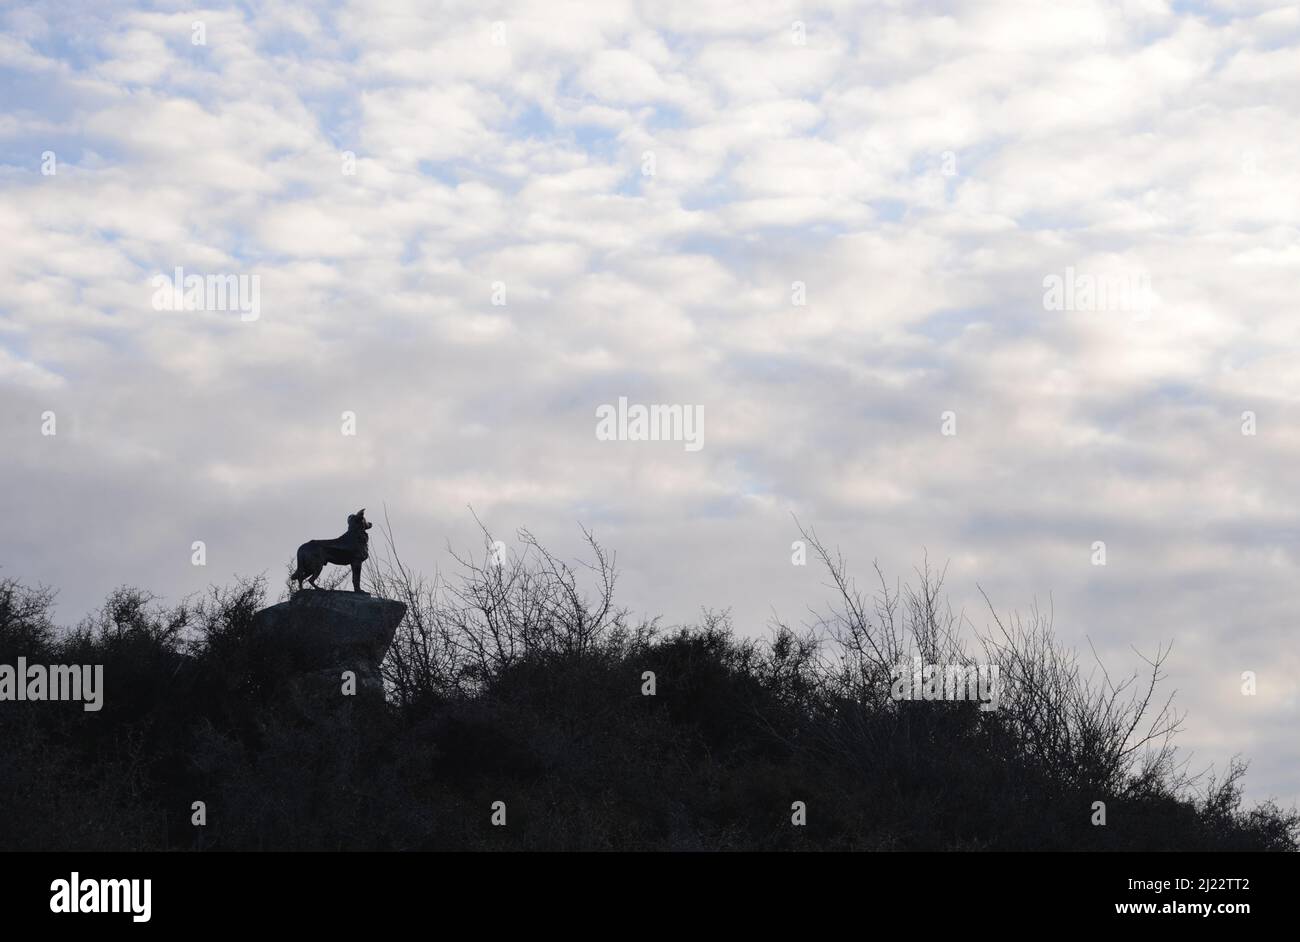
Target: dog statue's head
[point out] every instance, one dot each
(358, 521)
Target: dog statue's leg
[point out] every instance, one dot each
(356, 578)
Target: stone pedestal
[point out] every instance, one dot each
(326, 633)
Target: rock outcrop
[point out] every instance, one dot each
(325, 633)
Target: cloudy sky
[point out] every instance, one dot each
(831, 228)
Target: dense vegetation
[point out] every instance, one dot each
(521, 681)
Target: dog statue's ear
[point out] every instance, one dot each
(361, 512)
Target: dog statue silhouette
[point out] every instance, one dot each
(351, 549)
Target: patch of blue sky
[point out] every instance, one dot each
(946, 325)
(726, 507)
(602, 513)
(24, 154)
(990, 527)
(634, 183)
(1211, 11)
(1129, 410)
(717, 246)
(76, 42)
(968, 158)
(753, 482)
(284, 43)
(771, 369)
(11, 342)
(1054, 221)
(1179, 393)
(665, 118)
(338, 117)
(444, 172)
(530, 122)
(598, 141)
(411, 252)
(889, 210)
(39, 95)
(717, 192)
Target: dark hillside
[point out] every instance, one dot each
(513, 684)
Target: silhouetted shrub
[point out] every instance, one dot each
(522, 682)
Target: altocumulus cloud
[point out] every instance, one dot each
(473, 227)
